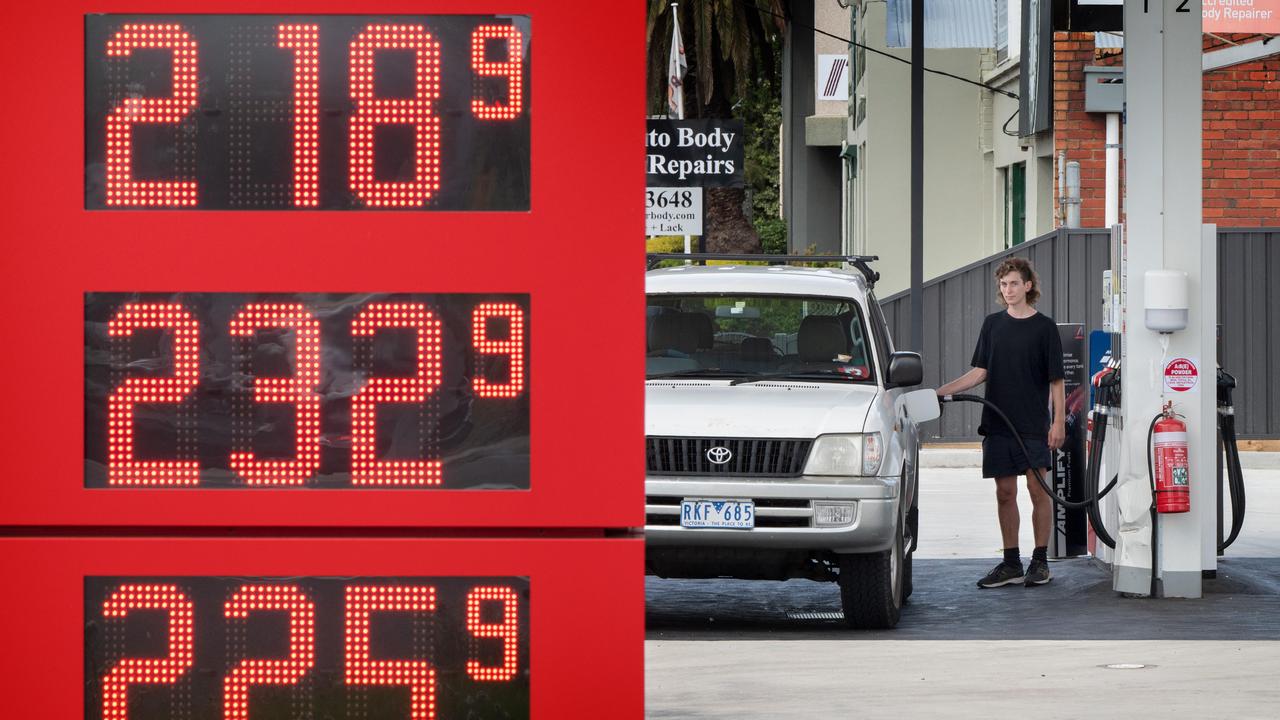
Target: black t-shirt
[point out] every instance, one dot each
(1021, 356)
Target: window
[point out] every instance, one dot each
(1008, 29)
(1002, 30)
(1015, 205)
(848, 200)
(743, 336)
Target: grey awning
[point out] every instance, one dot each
(947, 24)
(1108, 40)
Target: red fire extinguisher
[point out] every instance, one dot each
(1173, 478)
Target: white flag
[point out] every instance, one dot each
(676, 68)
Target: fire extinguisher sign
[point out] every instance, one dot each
(1181, 375)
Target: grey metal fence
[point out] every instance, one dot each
(1249, 313)
(1070, 264)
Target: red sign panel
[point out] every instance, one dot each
(185, 628)
(163, 352)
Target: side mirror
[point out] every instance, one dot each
(922, 405)
(905, 369)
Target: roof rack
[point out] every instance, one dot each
(861, 262)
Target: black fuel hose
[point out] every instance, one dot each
(1235, 476)
(1092, 467)
(1235, 479)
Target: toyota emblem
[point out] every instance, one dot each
(719, 455)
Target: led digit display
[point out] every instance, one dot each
(171, 664)
(328, 112)
(223, 648)
(338, 391)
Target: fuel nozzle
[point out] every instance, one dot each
(1226, 383)
(1107, 381)
(1106, 377)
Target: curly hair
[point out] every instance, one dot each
(1022, 266)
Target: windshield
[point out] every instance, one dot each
(747, 336)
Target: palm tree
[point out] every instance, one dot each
(729, 45)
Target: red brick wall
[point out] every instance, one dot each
(1241, 133)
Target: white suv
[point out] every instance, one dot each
(781, 440)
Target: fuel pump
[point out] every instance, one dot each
(1166, 254)
(1167, 454)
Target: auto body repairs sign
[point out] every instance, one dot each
(673, 211)
(694, 153)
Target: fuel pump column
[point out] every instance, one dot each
(1163, 232)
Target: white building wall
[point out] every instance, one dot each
(832, 18)
(968, 156)
(954, 189)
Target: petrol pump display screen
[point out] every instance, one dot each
(234, 648)
(311, 390)
(319, 112)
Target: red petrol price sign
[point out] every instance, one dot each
(323, 395)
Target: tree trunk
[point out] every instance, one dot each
(727, 229)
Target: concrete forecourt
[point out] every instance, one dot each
(969, 653)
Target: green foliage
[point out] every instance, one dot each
(735, 70)
(664, 244)
(813, 250)
(729, 46)
(761, 112)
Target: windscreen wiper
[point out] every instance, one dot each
(794, 374)
(691, 372)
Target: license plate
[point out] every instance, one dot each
(735, 514)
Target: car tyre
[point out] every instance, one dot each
(872, 587)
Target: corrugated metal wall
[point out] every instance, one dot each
(1249, 312)
(1070, 264)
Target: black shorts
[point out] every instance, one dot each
(1001, 456)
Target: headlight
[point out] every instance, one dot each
(845, 455)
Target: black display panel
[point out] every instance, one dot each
(221, 648)
(338, 391)
(317, 112)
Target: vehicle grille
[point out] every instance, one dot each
(751, 456)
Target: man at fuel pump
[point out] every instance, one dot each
(1019, 357)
